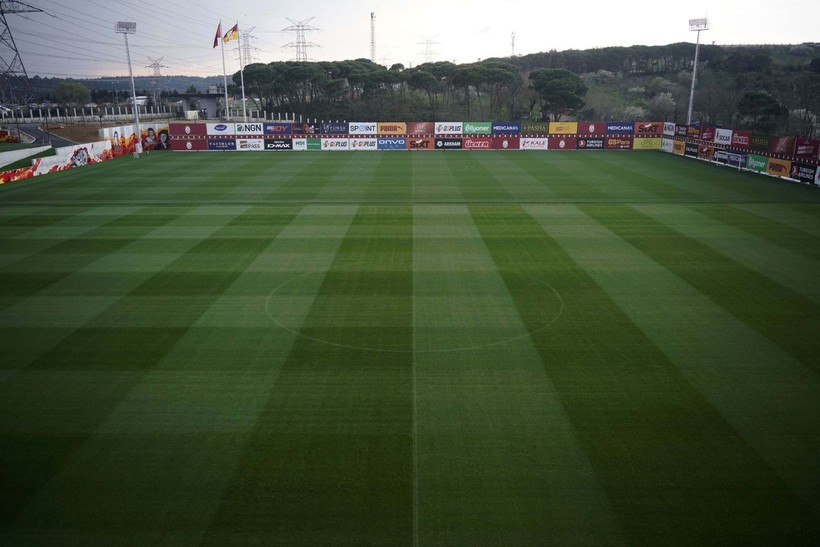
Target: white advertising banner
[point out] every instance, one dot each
(250, 145)
(723, 136)
(669, 129)
(335, 144)
(363, 128)
(449, 128)
(667, 145)
(364, 144)
(528, 143)
(214, 129)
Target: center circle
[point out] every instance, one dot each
(360, 307)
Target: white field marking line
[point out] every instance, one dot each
(413, 350)
(414, 374)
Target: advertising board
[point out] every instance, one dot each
(313, 144)
(215, 129)
(679, 148)
(649, 129)
(337, 128)
(723, 136)
(563, 128)
(757, 163)
(191, 145)
(478, 128)
(738, 159)
(693, 131)
(250, 145)
(721, 156)
(419, 128)
(335, 144)
(362, 128)
(707, 133)
(388, 143)
(506, 143)
(806, 148)
(305, 129)
(817, 176)
(782, 145)
(477, 143)
(706, 152)
(620, 128)
(591, 128)
(278, 144)
(448, 144)
(681, 130)
(618, 143)
(188, 129)
(647, 143)
(666, 145)
(594, 143)
(364, 143)
(802, 172)
(562, 143)
(449, 128)
(253, 128)
(506, 128)
(759, 142)
(741, 139)
(422, 143)
(533, 143)
(690, 150)
(669, 129)
(278, 128)
(535, 128)
(779, 168)
(300, 144)
(221, 144)
(392, 128)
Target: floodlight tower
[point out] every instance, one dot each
(126, 28)
(512, 45)
(695, 25)
(12, 72)
(373, 36)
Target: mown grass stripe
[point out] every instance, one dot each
(671, 466)
(479, 184)
(787, 318)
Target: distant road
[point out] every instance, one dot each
(42, 138)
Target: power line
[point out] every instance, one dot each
(301, 45)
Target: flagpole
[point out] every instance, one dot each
(242, 76)
(224, 75)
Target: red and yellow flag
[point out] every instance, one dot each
(218, 34)
(232, 34)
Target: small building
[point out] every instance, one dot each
(209, 105)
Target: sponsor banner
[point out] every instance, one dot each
(362, 128)
(590, 144)
(448, 144)
(779, 168)
(757, 163)
(563, 128)
(449, 128)
(364, 143)
(803, 172)
(623, 128)
(314, 144)
(66, 157)
(278, 144)
(386, 143)
(190, 145)
(333, 129)
(690, 150)
(706, 152)
(155, 137)
(806, 148)
(533, 143)
(422, 143)
(188, 129)
(506, 143)
(618, 143)
(678, 147)
(693, 131)
(667, 145)
(305, 128)
(250, 145)
(669, 129)
(254, 128)
(591, 128)
(817, 176)
(723, 136)
(214, 129)
(278, 128)
(335, 144)
(707, 133)
(721, 156)
(741, 139)
(477, 143)
(649, 129)
(738, 159)
(478, 128)
(782, 145)
(419, 128)
(506, 128)
(300, 144)
(759, 142)
(221, 144)
(681, 130)
(535, 128)
(393, 128)
(650, 143)
(562, 143)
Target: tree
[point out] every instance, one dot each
(560, 90)
(764, 110)
(662, 106)
(424, 81)
(73, 93)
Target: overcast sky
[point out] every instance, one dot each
(76, 38)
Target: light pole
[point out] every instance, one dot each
(126, 28)
(695, 25)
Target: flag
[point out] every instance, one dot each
(232, 34)
(218, 34)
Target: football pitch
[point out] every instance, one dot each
(453, 348)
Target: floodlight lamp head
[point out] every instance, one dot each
(124, 27)
(698, 24)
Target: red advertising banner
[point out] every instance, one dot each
(421, 144)
(649, 129)
(563, 143)
(707, 133)
(477, 143)
(806, 148)
(706, 152)
(693, 131)
(591, 128)
(421, 128)
(741, 139)
(188, 145)
(781, 145)
(188, 129)
(506, 143)
(618, 143)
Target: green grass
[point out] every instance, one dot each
(416, 349)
